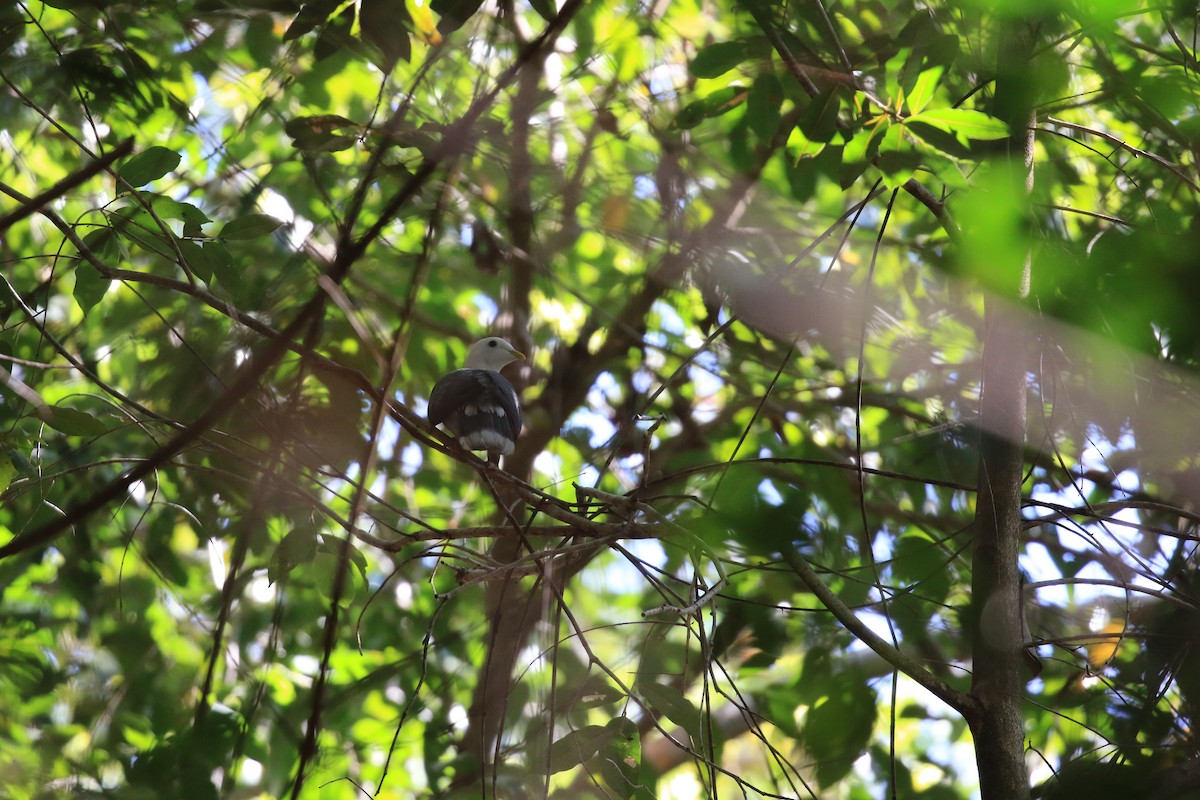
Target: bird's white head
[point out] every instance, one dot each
(492, 353)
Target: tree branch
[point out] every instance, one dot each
(31, 205)
(963, 703)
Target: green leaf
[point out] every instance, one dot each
(169, 208)
(920, 563)
(717, 59)
(453, 13)
(838, 728)
(385, 24)
(964, 123)
(619, 761)
(8, 470)
(819, 120)
(219, 262)
(546, 9)
(74, 422)
(673, 705)
(148, 165)
(90, 285)
(577, 747)
(592, 692)
(896, 158)
(298, 547)
(251, 226)
(923, 89)
(859, 151)
(712, 105)
(139, 227)
(764, 105)
(323, 133)
(690, 116)
(311, 15)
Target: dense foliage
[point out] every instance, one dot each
(762, 257)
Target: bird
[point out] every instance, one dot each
(477, 403)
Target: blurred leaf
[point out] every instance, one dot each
(837, 729)
(714, 105)
(764, 105)
(326, 133)
(311, 15)
(716, 59)
(546, 9)
(298, 547)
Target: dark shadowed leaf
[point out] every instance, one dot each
(673, 705)
(148, 165)
(717, 59)
(250, 226)
(385, 24)
(325, 133)
(74, 422)
(311, 15)
(577, 747)
(454, 13)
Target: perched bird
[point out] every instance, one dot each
(477, 403)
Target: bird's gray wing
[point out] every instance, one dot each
(452, 391)
(503, 392)
(474, 387)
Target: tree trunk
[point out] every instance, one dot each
(997, 679)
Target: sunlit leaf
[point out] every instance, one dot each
(922, 92)
(964, 123)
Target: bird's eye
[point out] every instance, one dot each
(492, 343)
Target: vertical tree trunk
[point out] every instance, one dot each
(997, 679)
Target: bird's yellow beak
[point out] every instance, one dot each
(517, 354)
